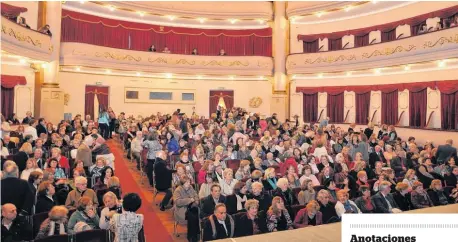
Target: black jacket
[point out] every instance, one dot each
(381, 205)
(244, 225)
(434, 195)
(220, 231)
(374, 157)
(328, 212)
(21, 160)
(451, 180)
(404, 202)
(264, 201)
(20, 230)
(44, 204)
(208, 205)
(17, 192)
(444, 152)
(163, 175)
(41, 130)
(231, 204)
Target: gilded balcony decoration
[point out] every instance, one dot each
(427, 47)
(22, 41)
(79, 54)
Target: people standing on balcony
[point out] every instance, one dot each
(423, 29)
(194, 51)
(222, 52)
(45, 30)
(454, 22)
(152, 48)
(166, 50)
(437, 27)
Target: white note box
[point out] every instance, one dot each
(399, 227)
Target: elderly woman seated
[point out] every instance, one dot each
(419, 196)
(55, 224)
(235, 202)
(252, 222)
(309, 216)
(128, 224)
(285, 193)
(227, 182)
(45, 200)
(365, 203)
(186, 197)
(85, 215)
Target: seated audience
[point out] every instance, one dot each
(402, 197)
(236, 201)
(383, 200)
(220, 225)
(252, 222)
(278, 218)
(114, 186)
(307, 193)
(345, 205)
(205, 188)
(127, 225)
(419, 196)
(85, 215)
(185, 198)
(436, 193)
(112, 206)
(166, 50)
(222, 52)
(365, 203)
(309, 216)
(263, 198)
(45, 30)
(14, 227)
(152, 48)
(45, 199)
(194, 51)
(80, 191)
(55, 224)
(270, 180)
(227, 182)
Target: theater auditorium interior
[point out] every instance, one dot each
(132, 121)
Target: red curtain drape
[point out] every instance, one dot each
(362, 104)
(362, 40)
(83, 28)
(335, 107)
(393, 25)
(449, 113)
(390, 107)
(227, 95)
(310, 107)
(102, 95)
(7, 101)
(388, 35)
(413, 86)
(335, 44)
(11, 11)
(9, 81)
(417, 108)
(311, 47)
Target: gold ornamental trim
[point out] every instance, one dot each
(225, 63)
(330, 59)
(20, 36)
(114, 56)
(441, 41)
(389, 51)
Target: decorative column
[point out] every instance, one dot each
(52, 97)
(280, 32)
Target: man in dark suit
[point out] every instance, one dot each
(209, 203)
(375, 156)
(383, 200)
(41, 127)
(16, 191)
(14, 228)
(444, 152)
(220, 225)
(163, 178)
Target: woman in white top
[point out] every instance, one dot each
(127, 225)
(345, 205)
(410, 178)
(228, 182)
(6, 129)
(30, 167)
(112, 206)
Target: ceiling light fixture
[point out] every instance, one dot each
(44, 65)
(377, 71)
(22, 61)
(261, 78)
(199, 77)
(139, 74)
(78, 69)
(348, 8)
(168, 75)
(406, 67)
(441, 63)
(82, 2)
(231, 77)
(320, 75)
(201, 20)
(233, 21)
(348, 73)
(141, 14)
(108, 71)
(171, 17)
(261, 21)
(319, 14)
(112, 8)
(374, 1)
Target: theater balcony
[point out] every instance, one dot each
(21, 41)
(432, 46)
(86, 55)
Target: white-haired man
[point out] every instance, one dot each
(136, 147)
(80, 191)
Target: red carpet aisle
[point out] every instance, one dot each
(154, 229)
